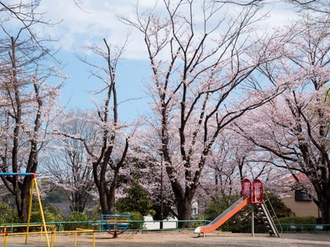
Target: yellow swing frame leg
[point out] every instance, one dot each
(34, 184)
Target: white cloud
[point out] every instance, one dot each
(96, 19)
(89, 23)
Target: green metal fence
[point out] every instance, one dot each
(140, 225)
(135, 225)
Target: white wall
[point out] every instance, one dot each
(150, 224)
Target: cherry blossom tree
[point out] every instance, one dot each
(147, 169)
(319, 6)
(233, 159)
(67, 162)
(108, 150)
(28, 102)
(294, 128)
(201, 59)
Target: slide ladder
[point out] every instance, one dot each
(222, 218)
(268, 218)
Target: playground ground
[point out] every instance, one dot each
(176, 239)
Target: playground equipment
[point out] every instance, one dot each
(115, 224)
(76, 234)
(33, 185)
(252, 193)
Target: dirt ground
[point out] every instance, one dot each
(174, 239)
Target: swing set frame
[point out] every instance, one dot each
(34, 185)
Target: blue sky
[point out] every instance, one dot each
(132, 74)
(77, 27)
(89, 24)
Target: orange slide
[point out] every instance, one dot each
(222, 218)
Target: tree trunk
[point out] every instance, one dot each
(112, 191)
(184, 212)
(183, 198)
(24, 206)
(103, 198)
(324, 207)
(78, 203)
(100, 182)
(22, 198)
(107, 194)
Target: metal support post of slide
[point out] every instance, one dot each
(252, 220)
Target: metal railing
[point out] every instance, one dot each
(140, 225)
(136, 225)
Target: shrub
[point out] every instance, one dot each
(299, 223)
(298, 220)
(134, 216)
(8, 214)
(78, 220)
(36, 217)
(51, 213)
(136, 200)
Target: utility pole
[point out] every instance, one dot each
(161, 193)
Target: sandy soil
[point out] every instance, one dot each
(174, 239)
